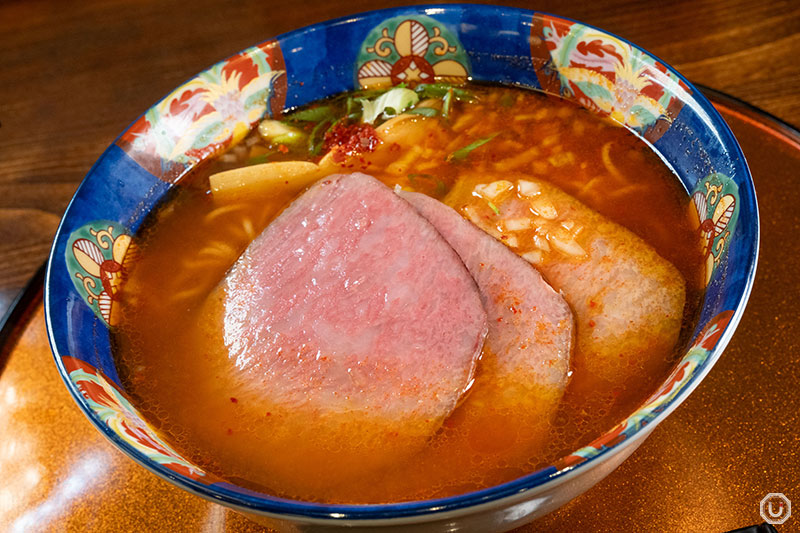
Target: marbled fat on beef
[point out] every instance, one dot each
(351, 303)
(530, 324)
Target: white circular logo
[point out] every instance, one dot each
(775, 508)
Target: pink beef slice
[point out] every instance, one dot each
(351, 303)
(530, 324)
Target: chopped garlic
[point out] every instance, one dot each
(472, 215)
(494, 231)
(509, 240)
(533, 257)
(517, 224)
(541, 243)
(565, 243)
(492, 190)
(544, 208)
(528, 188)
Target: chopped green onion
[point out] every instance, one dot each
(257, 160)
(351, 106)
(424, 111)
(441, 188)
(314, 114)
(446, 103)
(494, 208)
(438, 90)
(315, 141)
(462, 153)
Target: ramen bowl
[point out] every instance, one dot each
(202, 118)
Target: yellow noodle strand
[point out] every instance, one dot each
(220, 211)
(188, 293)
(630, 189)
(248, 229)
(200, 264)
(513, 163)
(216, 249)
(605, 153)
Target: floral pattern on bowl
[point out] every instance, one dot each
(716, 209)
(606, 74)
(209, 113)
(116, 411)
(98, 256)
(411, 50)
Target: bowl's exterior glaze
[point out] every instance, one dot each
(202, 118)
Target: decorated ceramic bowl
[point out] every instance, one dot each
(217, 108)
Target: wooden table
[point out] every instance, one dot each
(75, 74)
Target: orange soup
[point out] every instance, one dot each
(459, 141)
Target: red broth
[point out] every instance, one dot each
(188, 245)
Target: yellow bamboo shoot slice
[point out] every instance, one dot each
(267, 178)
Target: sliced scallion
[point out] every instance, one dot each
(438, 90)
(257, 160)
(315, 140)
(462, 153)
(424, 111)
(448, 98)
(315, 114)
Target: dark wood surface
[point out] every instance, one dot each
(74, 74)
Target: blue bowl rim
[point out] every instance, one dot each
(280, 507)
